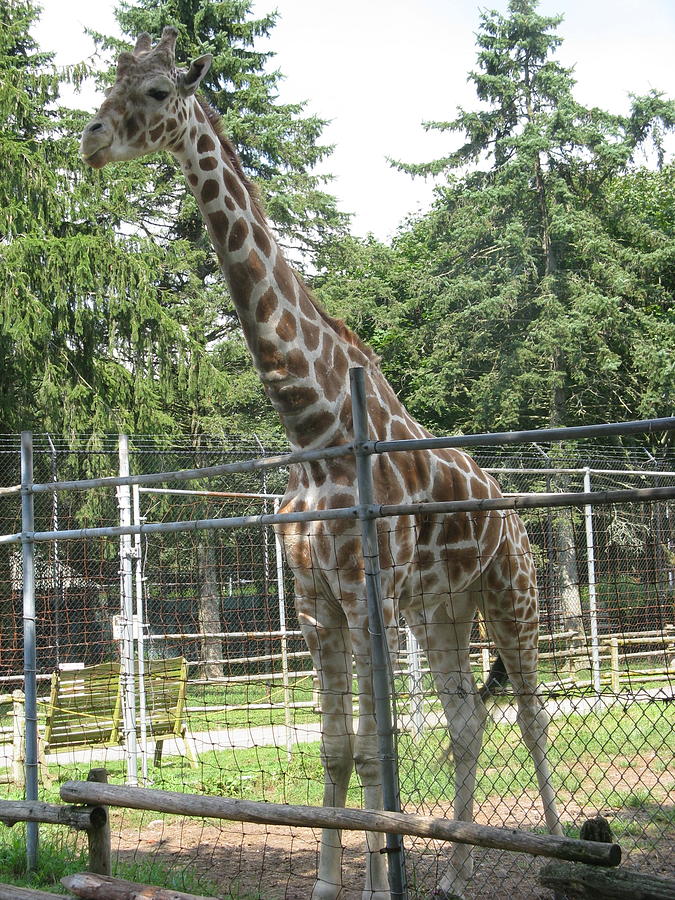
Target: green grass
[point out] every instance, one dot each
(62, 852)
(59, 855)
(582, 749)
(244, 694)
(594, 758)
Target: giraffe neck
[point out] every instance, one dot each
(300, 353)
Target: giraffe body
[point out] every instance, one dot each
(437, 570)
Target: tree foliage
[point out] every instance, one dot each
(542, 279)
(79, 313)
(113, 314)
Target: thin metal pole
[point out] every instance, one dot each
(139, 627)
(281, 595)
(381, 669)
(415, 684)
(29, 639)
(592, 596)
(57, 574)
(127, 619)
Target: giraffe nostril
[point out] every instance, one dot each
(95, 126)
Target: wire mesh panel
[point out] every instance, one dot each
(222, 699)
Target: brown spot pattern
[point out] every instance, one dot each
(219, 224)
(286, 328)
(314, 425)
(284, 278)
(241, 283)
(296, 397)
(310, 334)
(257, 267)
(296, 363)
(269, 358)
(205, 143)
(266, 305)
(261, 238)
(210, 190)
(238, 235)
(234, 188)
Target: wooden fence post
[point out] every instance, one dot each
(18, 727)
(99, 836)
(614, 665)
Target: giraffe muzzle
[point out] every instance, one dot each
(96, 140)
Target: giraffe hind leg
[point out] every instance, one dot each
(444, 633)
(508, 602)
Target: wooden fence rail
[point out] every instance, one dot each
(175, 803)
(91, 819)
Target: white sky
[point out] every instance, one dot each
(378, 68)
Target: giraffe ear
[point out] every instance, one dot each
(188, 82)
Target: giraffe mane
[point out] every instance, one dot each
(337, 325)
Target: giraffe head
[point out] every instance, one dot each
(147, 108)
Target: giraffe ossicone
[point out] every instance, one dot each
(437, 570)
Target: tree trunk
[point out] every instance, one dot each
(209, 607)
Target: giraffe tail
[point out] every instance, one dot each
(497, 678)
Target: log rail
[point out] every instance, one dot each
(172, 802)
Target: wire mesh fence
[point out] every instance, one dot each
(237, 713)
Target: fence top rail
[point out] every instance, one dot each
(336, 817)
(540, 435)
(520, 470)
(246, 465)
(545, 435)
(373, 511)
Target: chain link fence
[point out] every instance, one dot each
(245, 706)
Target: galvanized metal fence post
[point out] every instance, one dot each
(29, 638)
(592, 594)
(383, 682)
(127, 655)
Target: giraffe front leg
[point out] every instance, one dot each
(328, 641)
(368, 767)
(338, 760)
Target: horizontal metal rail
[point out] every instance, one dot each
(519, 470)
(530, 501)
(540, 435)
(375, 511)
(644, 426)
(247, 465)
(180, 492)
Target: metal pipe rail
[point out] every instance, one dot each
(644, 426)
(517, 501)
(248, 465)
(540, 435)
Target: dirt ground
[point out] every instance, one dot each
(279, 863)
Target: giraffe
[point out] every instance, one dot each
(437, 570)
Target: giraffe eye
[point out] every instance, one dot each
(157, 94)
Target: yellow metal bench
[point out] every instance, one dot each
(12, 718)
(85, 707)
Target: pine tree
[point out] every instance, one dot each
(79, 313)
(540, 309)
